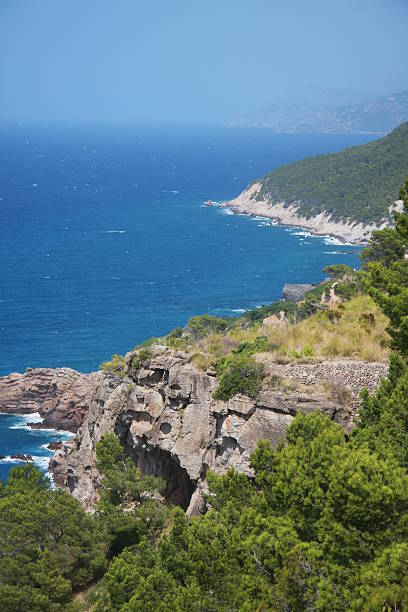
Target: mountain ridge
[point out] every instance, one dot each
(377, 116)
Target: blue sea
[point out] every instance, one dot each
(16, 436)
(105, 240)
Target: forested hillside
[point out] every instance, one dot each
(359, 183)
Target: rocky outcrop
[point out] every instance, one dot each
(287, 213)
(60, 396)
(168, 421)
(296, 292)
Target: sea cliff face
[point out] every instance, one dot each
(287, 214)
(167, 420)
(60, 396)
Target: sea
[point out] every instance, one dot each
(105, 241)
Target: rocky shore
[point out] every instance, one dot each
(60, 396)
(321, 224)
(164, 413)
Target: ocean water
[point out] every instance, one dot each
(16, 436)
(105, 240)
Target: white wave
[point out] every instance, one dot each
(303, 233)
(23, 420)
(58, 432)
(39, 460)
(334, 253)
(114, 232)
(227, 211)
(336, 241)
(42, 462)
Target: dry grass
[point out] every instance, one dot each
(355, 329)
(345, 331)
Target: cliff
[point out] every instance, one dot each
(249, 202)
(60, 396)
(167, 420)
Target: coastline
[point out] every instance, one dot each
(351, 232)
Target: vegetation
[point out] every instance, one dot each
(360, 183)
(116, 366)
(201, 325)
(49, 546)
(321, 525)
(143, 355)
(239, 373)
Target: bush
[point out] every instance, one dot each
(202, 325)
(116, 366)
(337, 270)
(143, 355)
(239, 374)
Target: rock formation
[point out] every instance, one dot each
(167, 420)
(296, 292)
(61, 396)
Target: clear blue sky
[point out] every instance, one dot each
(191, 60)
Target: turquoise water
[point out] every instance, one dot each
(105, 241)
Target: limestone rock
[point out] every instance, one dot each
(169, 423)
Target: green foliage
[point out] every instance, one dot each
(358, 183)
(257, 315)
(386, 278)
(389, 289)
(385, 247)
(116, 366)
(142, 355)
(122, 493)
(350, 287)
(259, 345)
(336, 271)
(238, 373)
(322, 527)
(202, 325)
(48, 546)
(317, 292)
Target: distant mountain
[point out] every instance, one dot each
(378, 116)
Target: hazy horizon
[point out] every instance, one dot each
(192, 63)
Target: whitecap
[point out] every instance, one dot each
(114, 232)
(302, 233)
(24, 419)
(334, 253)
(41, 461)
(336, 241)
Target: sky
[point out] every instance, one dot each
(191, 61)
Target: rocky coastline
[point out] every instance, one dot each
(164, 413)
(60, 396)
(346, 231)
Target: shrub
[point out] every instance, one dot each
(202, 325)
(239, 374)
(143, 355)
(116, 366)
